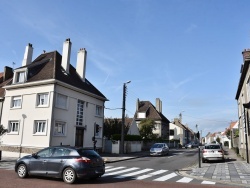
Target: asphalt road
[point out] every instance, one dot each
(145, 174)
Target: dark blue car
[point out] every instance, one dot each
(68, 163)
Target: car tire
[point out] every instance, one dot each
(203, 160)
(69, 175)
(22, 171)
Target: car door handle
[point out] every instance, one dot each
(44, 161)
(62, 161)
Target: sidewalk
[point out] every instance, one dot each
(234, 171)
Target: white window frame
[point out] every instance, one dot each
(13, 101)
(58, 105)
(38, 129)
(60, 128)
(41, 97)
(13, 127)
(98, 110)
(16, 79)
(80, 111)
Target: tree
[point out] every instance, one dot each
(218, 139)
(2, 130)
(113, 126)
(146, 128)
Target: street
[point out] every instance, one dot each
(141, 172)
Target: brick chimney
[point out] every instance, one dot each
(158, 105)
(66, 55)
(246, 55)
(8, 73)
(81, 63)
(27, 59)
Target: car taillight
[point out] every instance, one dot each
(220, 151)
(83, 160)
(204, 151)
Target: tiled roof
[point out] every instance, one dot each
(151, 112)
(48, 66)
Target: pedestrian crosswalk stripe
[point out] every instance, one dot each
(107, 167)
(120, 172)
(134, 173)
(166, 177)
(150, 174)
(185, 180)
(117, 168)
(208, 182)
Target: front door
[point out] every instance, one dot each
(79, 137)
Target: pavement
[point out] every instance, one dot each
(234, 171)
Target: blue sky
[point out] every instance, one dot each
(185, 52)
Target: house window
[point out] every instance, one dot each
(16, 102)
(42, 99)
(248, 90)
(40, 127)
(20, 77)
(60, 128)
(171, 132)
(13, 127)
(79, 115)
(61, 101)
(98, 110)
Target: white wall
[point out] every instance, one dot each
(26, 115)
(69, 116)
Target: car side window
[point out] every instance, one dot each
(61, 152)
(45, 153)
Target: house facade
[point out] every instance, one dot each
(146, 110)
(49, 102)
(243, 97)
(177, 131)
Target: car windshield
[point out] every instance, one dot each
(157, 146)
(212, 147)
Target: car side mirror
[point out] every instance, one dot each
(34, 155)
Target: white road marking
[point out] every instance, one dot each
(134, 173)
(112, 169)
(167, 177)
(106, 167)
(120, 172)
(208, 182)
(185, 180)
(150, 174)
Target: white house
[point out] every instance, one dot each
(49, 102)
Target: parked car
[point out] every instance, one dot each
(192, 145)
(159, 149)
(212, 152)
(68, 163)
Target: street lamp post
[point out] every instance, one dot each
(246, 106)
(123, 116)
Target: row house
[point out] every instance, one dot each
(243, 99)
(49, 102)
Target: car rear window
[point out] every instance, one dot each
(88, 153)
(212, 147)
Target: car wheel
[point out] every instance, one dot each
(203, 160)
(22, 171)
(69, 175)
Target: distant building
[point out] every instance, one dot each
(146, 110)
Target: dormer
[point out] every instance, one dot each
(20, 76)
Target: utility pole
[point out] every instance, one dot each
(123, 116)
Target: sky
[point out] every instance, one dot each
(188, 53)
